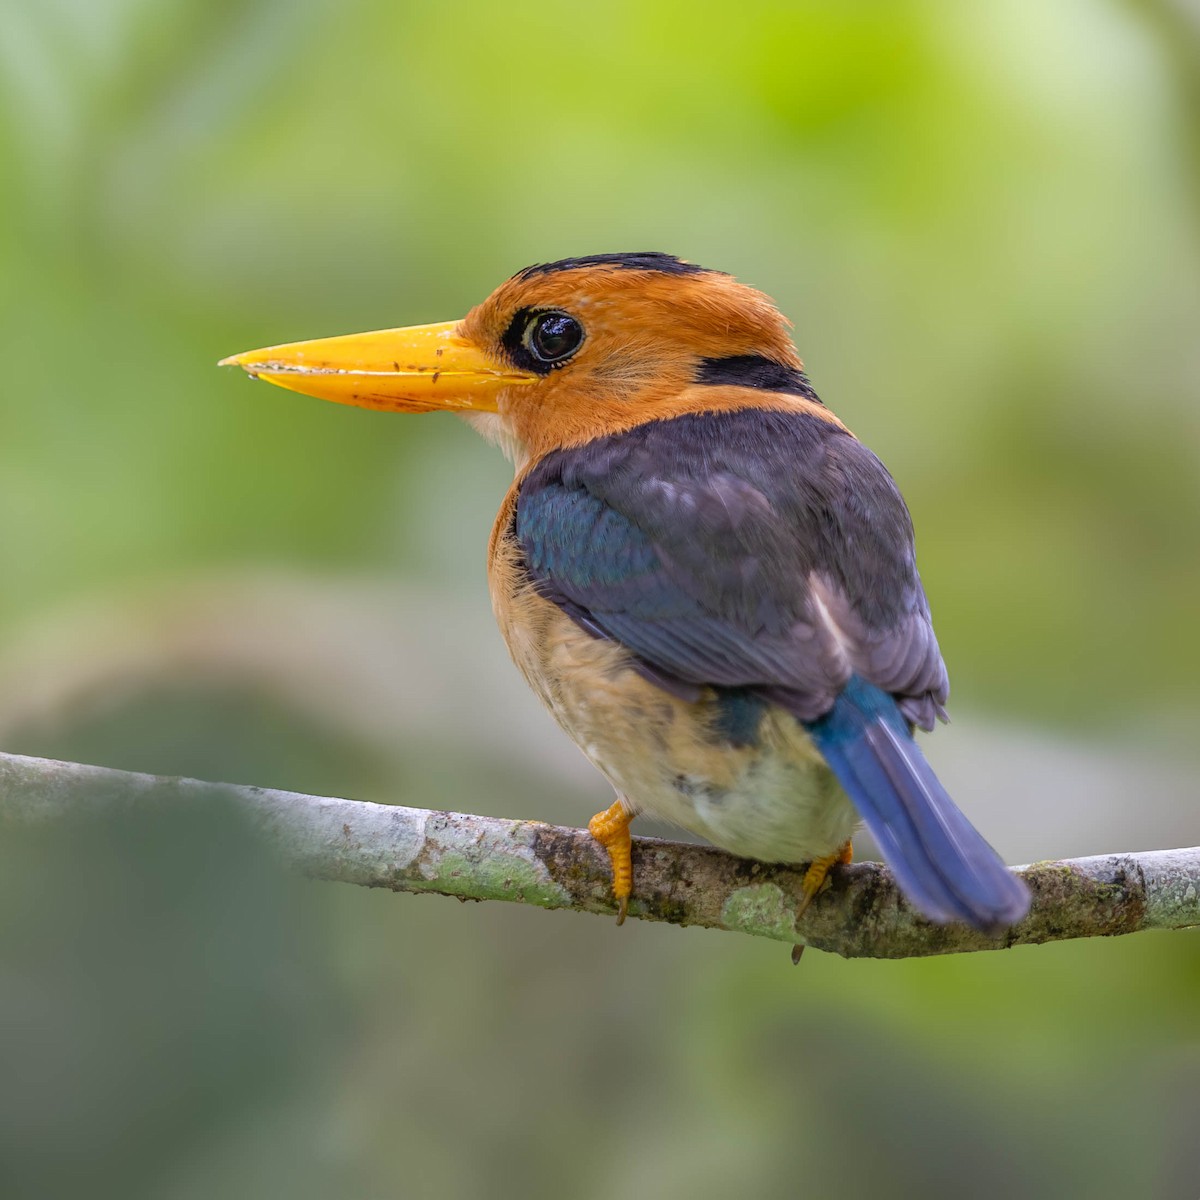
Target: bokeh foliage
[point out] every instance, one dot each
(983, 221)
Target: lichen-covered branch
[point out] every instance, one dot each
(486, 858)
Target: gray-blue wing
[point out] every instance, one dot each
(756, 548)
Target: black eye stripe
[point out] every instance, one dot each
(540, 340)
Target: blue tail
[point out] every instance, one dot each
(940, 860)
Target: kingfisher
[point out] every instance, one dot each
(707, 579)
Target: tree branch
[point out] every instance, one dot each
(486, 858)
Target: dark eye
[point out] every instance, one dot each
(552, 337)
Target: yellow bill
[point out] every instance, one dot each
(420, 368)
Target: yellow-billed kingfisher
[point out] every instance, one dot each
(703, 574)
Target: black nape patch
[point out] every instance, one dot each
(755, 371)
(641, 260)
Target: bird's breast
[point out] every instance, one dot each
(728, 767)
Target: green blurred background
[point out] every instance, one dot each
(984, 222)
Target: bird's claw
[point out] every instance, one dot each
(611, 829)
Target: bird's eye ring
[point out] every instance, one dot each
(552, 337)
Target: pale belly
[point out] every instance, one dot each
(750, 782)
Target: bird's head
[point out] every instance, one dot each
(566, 352)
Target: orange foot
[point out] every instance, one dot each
(816, 879)
(611, 829)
